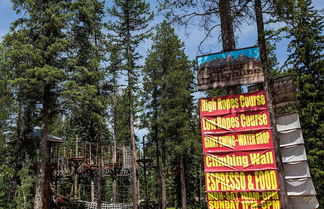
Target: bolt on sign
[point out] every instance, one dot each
(239, 158)
(239, 67)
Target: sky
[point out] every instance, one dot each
(246, 36)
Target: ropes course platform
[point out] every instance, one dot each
(93, 205)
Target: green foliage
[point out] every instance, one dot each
(127, 29)
(36, 56)
(117, 99)
(304, 27)
(6, 191)
(37, 44)
(83, 91)
(168, 85)
(169, 81)
(23, 194)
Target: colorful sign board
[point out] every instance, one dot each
(233, 104)
(239, 67)
(234, 122)
(240, 161)
(266, 180)
(243, 200)
(236, 141)
(239, 158)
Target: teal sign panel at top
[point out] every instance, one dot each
(252, 52)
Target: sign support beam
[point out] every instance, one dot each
(263, 55)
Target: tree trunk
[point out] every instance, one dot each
(93, 199)
(227, 32)
(99, 176)
(132, 136)
(99, 190)
(114, 191)
(159, 173)
(183, 183)
(40, 199)
(226, 19)
(157, 150)
(114, 96)
(163, 177)
(134, 176)
(267, 88)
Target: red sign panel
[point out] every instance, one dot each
(233, 104)
(229, 142)
(247, 181)
(243, 200)
(240, 161)
(235, 122)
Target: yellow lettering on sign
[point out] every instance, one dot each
(228, 160)
(274, 204)
(223, 204)
(252, 101)
(225, 181)
(208, 106)
(219, 141)
(227, 104)
(250, 195)
(253, 120)
(266, 180)
(261, 159)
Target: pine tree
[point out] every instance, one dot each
(305, 27)
(168, 87)
(128, 31)
(6, 112)
(23, 195)
(37, 44)
(86, 52)
(85, 88)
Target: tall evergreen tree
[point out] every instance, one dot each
(128, 31)
(86, 53)
(37, 45)
(6, 113)
(305, 29)
(168, 87)
(85, 89)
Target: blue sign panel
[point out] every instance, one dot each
(239, 67)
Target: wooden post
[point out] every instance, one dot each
(90, 157)
(99, 175)
(263, 52)
(92, 189)
(64, 153)
(97, 155)
(76, 146)
(75, 185)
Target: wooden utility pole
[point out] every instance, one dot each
(267, 88)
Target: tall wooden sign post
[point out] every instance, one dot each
(263, 52)
(243, 166)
